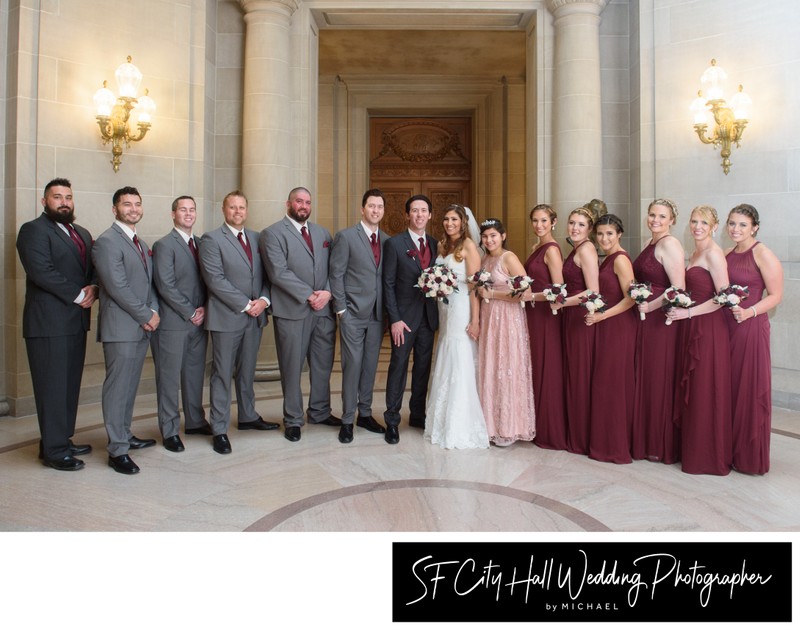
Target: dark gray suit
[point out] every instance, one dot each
(127, 301)
(405, 302)
(54, 327)
(179, 347)
(357, 288)
(301, 333)
(235, 336)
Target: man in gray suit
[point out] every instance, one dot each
(238, 296)
(179, 346)
(128, 316)
(59, 292)
(356, 269)
(296, 261)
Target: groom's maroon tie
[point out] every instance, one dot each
(424, 254)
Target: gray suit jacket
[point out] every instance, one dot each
(180, 285)
(356, 281)
(294, 272)
(127, 295)
(230, 280)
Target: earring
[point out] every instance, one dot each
(552, 228)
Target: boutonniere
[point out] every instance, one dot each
(326, 244)
(412, 253)
(150, 253)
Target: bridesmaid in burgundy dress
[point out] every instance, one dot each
(751, 264)
(654, 435)
(580, 274)
(614, 343)
(703, 402)
(544, 330)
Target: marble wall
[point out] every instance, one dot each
(756, 43)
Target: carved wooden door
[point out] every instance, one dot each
(429, 156)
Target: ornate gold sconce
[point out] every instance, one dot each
(729, 120)
(114, 112)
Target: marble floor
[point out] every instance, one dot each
(373, 492)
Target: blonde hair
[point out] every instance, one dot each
(707, 213)
(586, 212)
(673, 207)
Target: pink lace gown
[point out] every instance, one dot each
(703, 396)
(654, 435)
(504, 366)
(578, 357)
(612, 380)
(544, 331)
(751, 371)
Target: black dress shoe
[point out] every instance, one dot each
(392, 435)
(174, 444)
(74, 449)
(203, 429)
(65, 463)
(292, 434)
(370, 424)
(331, 421)
(419, 423)
(79, 449)
(346, 434)
(222, 444)
(136, 443)
(123, 464)
(258, 425)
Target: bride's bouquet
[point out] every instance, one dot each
(555, 294)
(676, 298)
(731, 296)
(520, 284)
(481, 278)
(639, 292)
(438, 281)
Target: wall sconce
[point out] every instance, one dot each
(729, 121)
(113, 112)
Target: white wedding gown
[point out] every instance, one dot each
(454, 418)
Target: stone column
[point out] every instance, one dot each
(577, 129)
(267, 154)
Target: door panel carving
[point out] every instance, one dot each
(429, 156)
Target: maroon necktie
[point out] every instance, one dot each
(246, 248)
(376, 248)
(307, 238)
(193, 249)
(424, 259)
(139, 247)
(73, 234)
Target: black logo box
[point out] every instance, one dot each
(649, 581)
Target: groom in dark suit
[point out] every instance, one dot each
(60, 289)
(412, 317)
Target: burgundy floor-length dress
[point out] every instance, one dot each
(578, 345)
(703, 404)
(654, 435)
(612, 380)
(751, 371)
(544, 332)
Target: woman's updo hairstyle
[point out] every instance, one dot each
(747, 210)
(610, 219)
(673, 207)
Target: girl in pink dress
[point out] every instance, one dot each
(703, 394)
(751, 264)
(544, 330)
(654, 435)
(581, 275)
(504, 362)
(614, 343)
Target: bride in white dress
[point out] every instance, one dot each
(454, 416)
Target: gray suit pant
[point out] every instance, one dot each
(234, 356)
(297, 340)
(180, 360)
(361, 346)
(124, 362)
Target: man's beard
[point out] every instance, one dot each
(59, 217)
(296, 216)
